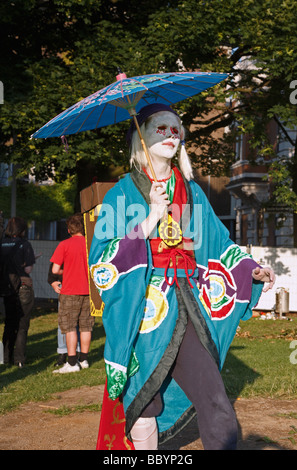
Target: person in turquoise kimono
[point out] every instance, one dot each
(174, 288)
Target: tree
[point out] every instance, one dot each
(225, 36)
(74, 49)
(218, 36)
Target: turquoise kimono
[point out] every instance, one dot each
(144, 317)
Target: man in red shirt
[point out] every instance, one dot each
(74, 300)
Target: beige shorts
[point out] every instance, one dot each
(74, 310)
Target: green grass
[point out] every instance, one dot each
(258, 362)
(257, 365)
(36, 382)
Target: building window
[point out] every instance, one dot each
(239, 148)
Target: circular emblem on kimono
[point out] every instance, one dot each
(155, 311)
(170, 232)
(217, 291)
(104, 275)
(217, 288)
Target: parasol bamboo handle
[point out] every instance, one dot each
(147, 157)
(145, 148)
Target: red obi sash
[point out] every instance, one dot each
(178, 257)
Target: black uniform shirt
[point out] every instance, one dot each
(23, 256)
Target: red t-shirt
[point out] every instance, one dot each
(72, 254)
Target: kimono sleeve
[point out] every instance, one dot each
(227, 290)
(225, 270)
(118, 263)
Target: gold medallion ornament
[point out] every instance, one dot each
(170, 231)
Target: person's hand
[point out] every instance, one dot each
(159, 204)
(264, 275)
(56, 285)
(159, 199)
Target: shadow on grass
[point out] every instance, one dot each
(41, 353)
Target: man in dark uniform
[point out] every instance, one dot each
(17, 253)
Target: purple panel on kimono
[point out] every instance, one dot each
(132, 251)
(242, 275)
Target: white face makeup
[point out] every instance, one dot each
(163, 134)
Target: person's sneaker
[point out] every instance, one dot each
(84, 364)
(67, 368)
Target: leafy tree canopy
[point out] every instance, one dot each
(57, 52)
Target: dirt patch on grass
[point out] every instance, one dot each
(264, 424)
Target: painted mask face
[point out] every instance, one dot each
(163, 134)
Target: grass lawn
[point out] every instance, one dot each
(261, 360)
(258, 363)
(36, 382)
